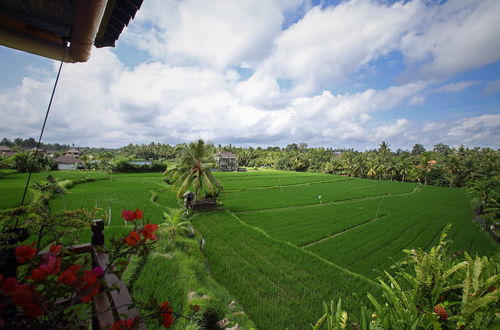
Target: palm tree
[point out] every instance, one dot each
(452, 166)
(175, 222)
(193, 170)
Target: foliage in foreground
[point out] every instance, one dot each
(176, 271)
(438, 291)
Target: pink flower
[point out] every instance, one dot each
(98, 271)
(52, 265)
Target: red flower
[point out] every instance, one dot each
(149, 230)
(67, 277)
(75, 268)
(132, 239)
(37, 275)
(55, 249)
(23, 297)
(166, 314)
(25, 253)
(439, 310)
(123, 324)
(90, 286)
(137, 214)
(128, 215)
(9, 285)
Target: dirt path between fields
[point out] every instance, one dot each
(342, 232)
(277, 209)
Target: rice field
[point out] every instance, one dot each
(283, 243)
(280, 248)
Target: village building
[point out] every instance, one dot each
(67, 162)
(6, 151)
(74, 152)
(3, 150)
(227, 161)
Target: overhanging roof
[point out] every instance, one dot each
(42, 27)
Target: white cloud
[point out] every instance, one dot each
(483, 130)
(217, 33)
(331, 43)
(416, 100)
(492, 86)
(453, 37)
(457, 87)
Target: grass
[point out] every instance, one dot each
(12, 185)
(249, 180)
(412, 221)
(304, 225)
(309, 194)
(278, 284)
(276, 245)
(278, 248)
(175, 272)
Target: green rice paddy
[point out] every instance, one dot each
(284, 242)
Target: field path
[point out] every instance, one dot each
(286, 185)
(343, 269)
(278, 209)
(342, 231)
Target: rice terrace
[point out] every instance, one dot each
(284, 242)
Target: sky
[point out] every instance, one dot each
(340, 74)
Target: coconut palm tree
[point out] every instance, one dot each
(193, 170)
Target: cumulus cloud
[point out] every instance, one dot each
(483, 130)
(217, 34)
(104, 103)
(453, 37)
(331, 43)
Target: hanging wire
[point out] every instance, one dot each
(43, 129)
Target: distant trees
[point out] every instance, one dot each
(31, 143)
(417, 149)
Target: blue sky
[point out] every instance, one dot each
(329, 73)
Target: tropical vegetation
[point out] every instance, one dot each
(193, 170)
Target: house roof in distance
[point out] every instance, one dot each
(4, 148)
(67, 159)
(226, 154)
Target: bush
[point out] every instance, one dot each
(439, 291)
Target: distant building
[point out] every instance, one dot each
(3, 150)
(40, 151)
(74, 152)
(227, 161)
(6, 151)
(67, 162)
